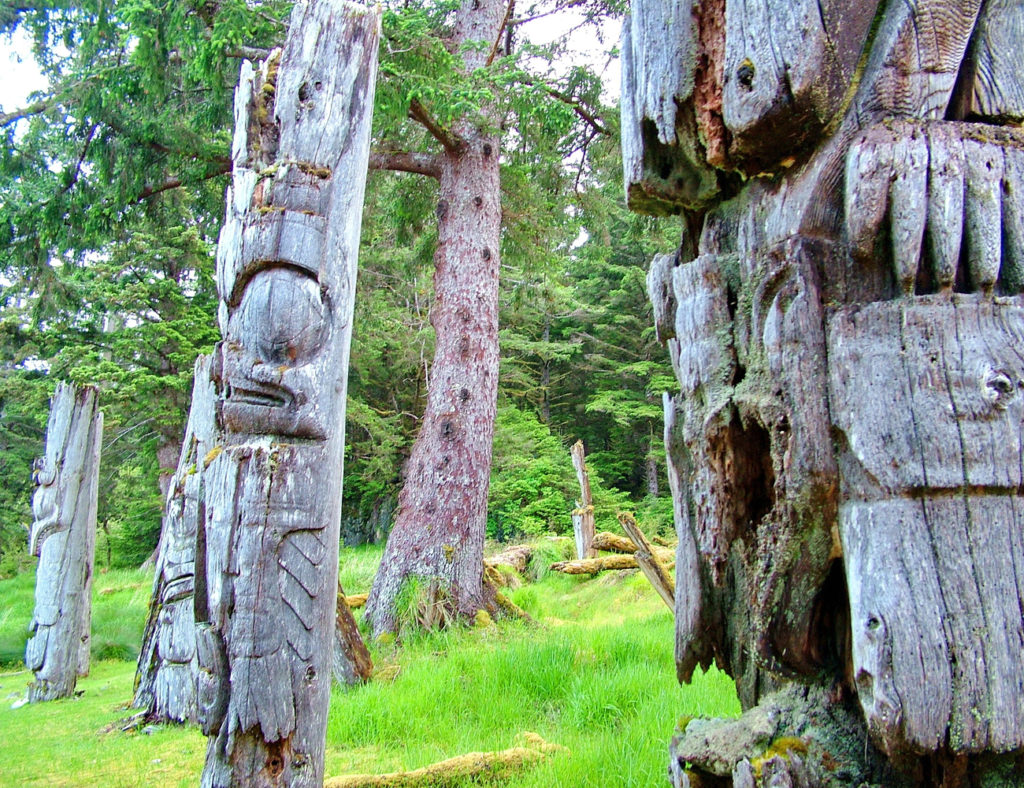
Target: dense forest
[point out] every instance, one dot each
(111, 199)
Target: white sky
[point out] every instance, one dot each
(21, 76)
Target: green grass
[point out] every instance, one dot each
(594, 674)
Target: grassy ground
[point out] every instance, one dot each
(595, 675)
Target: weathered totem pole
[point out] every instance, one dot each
(64, 537)
(266, 563)
(845, 322)
(165, 684)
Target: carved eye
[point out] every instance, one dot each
(281, 316)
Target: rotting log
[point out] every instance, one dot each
(286, 267)
(63, 535)
(591, 566)
(583, 515)
(843, 316)
(168, 666)
(517, 557)
(352, 662)
(355, 601)
(647, 557)
(613, 543)
(460, 770)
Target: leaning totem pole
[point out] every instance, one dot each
(64, 537)
(845, 322)
(266, 567)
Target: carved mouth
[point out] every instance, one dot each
(261, 396)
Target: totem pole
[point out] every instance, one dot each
(64, 537)
(266, 562)
(165, 684)
(845, 322)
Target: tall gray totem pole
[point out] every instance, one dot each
(845, 320)
(64, 537)
(266, 562)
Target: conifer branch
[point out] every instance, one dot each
(403, 161)
(419, 113)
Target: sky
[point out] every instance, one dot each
(20, 74)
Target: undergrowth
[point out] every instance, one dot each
(595, 674)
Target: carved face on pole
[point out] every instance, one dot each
(844, 324)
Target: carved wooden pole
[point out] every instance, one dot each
(286, 267)
(165, 684)
(583, 517)
(844, 318)
(64, 538)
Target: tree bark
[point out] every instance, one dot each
(165, 681)
(64, 537)
(439, 530)
(286, 263)
(844, 454)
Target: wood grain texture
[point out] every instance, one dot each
(928, 396)
(286, 265)
(63, 535)
(647, 557)
(583, 517)
(165, 685)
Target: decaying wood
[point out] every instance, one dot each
(352, 662)
(64, 537)
(355, 601)
(286, 266)
(165, 682)
(647, 557)
(518, 557)
(613, 543)
(591, 566)
(460, 770)
(844, 329)
(583, 516)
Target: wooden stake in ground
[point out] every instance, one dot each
(286, 267)
(64, 537)
(583, 517)
(646, 557)
(165, 683)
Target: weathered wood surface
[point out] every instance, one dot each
(929, 398)
(844, 328)
(165, 682)
(64, 537)
(647, 557)
(518, 557)
(462, 769)
(286, 266)
(613, 543)
(583, 516)
(352, 662)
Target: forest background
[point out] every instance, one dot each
(111, 198)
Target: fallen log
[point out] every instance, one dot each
(517, 557)
(649, 564)
(355, 601)
(591, 566)
(468, 768)
(613, 543)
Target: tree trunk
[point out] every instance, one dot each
(352, 663)
(440, 527)
(64, 537)
(165, 682)
(286, 264)
(844, 454)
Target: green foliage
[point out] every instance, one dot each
(532, 478)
